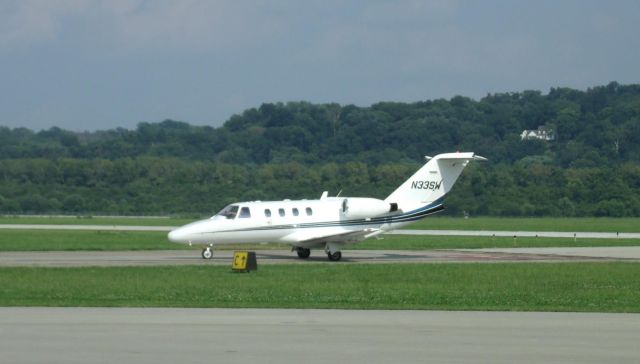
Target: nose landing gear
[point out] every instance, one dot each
(207, 253)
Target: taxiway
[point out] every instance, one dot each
(224, 257)
(166, 335)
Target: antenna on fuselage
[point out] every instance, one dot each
(338, 195)
(324, 195)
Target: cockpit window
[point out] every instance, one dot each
(229, 212)
(244, 212)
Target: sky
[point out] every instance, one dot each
(95, 65)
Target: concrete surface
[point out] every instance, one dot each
(150, 335)
(541, 234)
(224, 257)
(86, 227)
(629, 252)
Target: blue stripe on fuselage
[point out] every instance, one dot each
(413, 215)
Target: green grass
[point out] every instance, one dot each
(72, 240)
(597, 287)
(34, 240)
(62, 240)
(595, 224)
(431, 223)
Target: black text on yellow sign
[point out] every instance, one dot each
(244, 261)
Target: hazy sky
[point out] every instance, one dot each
(86, 65)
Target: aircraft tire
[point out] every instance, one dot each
(303, 253)
(207, 253)
(334, 257)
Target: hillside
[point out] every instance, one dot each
(590, 164)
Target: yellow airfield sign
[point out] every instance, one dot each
(244, 261)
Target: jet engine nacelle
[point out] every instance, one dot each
(360, 207)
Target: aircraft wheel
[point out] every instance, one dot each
(334, 257)
(303, 253)
(207, 253)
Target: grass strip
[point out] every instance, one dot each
(80, 240)
(60, 240)
(72, 240)
(578, 224)
(589, 287)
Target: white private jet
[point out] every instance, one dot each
(329, 223)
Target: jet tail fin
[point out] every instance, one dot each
(431, 182)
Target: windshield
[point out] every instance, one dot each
(229, 212)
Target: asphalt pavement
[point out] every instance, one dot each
(224, 257)
(165, 335)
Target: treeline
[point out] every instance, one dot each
(298, 149)
(591, 128)
(152, 185)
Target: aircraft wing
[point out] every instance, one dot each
(307, 240)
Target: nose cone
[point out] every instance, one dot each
(177, 236)
(191, 233)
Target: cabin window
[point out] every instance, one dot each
(309, 211)
(229, 212)
(267, 212)
(244, 212)
(295, 212)
(281, 212)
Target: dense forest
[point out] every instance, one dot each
(588, 163)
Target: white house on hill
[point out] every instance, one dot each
(542, 133)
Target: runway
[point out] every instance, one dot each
(631, 253)
(224, 257)
(86, 227)
(161, 335)
(542, 234)
(520, 234)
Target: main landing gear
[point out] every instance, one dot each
(207, 253)
(303, 253)
(333, 251)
